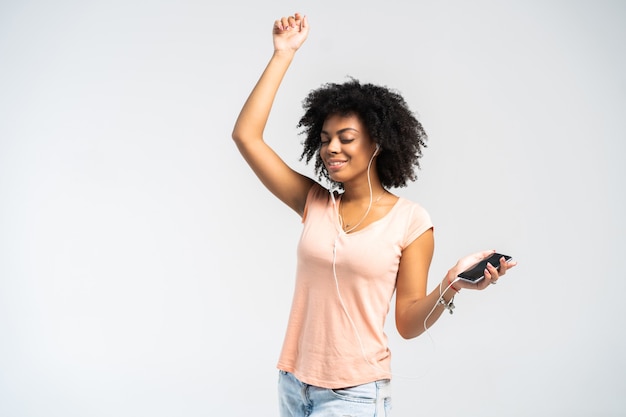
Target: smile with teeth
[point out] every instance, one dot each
(335, 165)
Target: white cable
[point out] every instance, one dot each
(369, 206)
(341, 302)
(356, 331)
(435, 306)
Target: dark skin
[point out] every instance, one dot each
(346, 151)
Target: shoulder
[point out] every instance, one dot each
(317, 192)
(416, 219)
(412, 209)
(317, 196)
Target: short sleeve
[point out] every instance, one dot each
(316, 194)
(418, 222)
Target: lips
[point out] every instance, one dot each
(335, 165)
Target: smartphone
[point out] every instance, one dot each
(477, 272)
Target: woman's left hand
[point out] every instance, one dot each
(492, 273)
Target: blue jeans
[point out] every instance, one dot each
(297, 399)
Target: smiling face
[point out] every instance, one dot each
(346, 148)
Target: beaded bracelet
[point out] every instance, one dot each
(448, 305)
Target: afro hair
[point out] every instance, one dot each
(385, 114)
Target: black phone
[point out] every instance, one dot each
(477, 272)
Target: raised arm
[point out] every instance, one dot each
(289, 33)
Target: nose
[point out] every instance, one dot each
(334, 146)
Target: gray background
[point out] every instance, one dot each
(145, 271)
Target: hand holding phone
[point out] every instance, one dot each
(477, 272)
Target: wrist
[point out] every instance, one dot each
(284, 53)
(450, 285)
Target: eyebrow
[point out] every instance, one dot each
(341, 130)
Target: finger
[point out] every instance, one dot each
(495, 274)
(486, 253)
(479, 256)
(492, 273)
(303, 25)
(281, 24)
(284, 23)
(484, 283)
(503, 266)
(298, 19)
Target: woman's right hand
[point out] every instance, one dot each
(289, 33)
(288, 185)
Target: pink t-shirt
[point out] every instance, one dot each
(321, 346)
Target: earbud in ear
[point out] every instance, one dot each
(377, 151)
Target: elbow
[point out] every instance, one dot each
(407, 330)
(242, 137)
(407, 335)
(240, 132)
(239, 138)
(236, 135)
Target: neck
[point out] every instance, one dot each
(361, 193)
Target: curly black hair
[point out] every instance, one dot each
(385, 114)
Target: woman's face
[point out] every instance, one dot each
(346, 147)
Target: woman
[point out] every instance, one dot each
(357, 246)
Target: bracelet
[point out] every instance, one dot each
(452, 285)
(448, 305)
